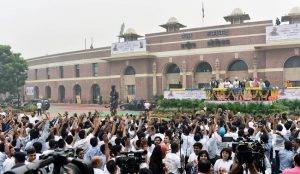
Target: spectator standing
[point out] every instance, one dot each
(172, 160)
(39, 108)
(147, 106)
(285, 156)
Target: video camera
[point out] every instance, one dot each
(63, 161)
(129, 162)
(247, 152)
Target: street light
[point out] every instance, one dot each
(17, 83)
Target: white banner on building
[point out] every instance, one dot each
(188, 94)
(282, 32)
(128, 47)
(29, 91)
(291, 94)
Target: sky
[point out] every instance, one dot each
(43, 27)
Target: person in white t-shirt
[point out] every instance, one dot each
(193, 158)
(172, 160)
(33, 118)
(10, 160)
(223, 165)
(147, 106)
(39, 108)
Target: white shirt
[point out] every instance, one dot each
(84, 143)
(193, 158)
(221, 163)
(187, 143)
(39, 105)
(8, 164)
(236, 84)
(147, 105)
(98, 171)
(47, 152)
(173, 162)
(221, 85)
(32, 119)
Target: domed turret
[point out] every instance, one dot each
(237, 16)
(172, 25)
(172, 20)
(293, 16)
(236, 12)
(294, 11)
(130, 35)
(130, 31)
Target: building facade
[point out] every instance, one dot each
(176, 58)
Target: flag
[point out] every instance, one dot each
(202, 10)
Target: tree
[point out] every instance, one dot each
(13, 70)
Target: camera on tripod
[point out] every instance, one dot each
(62, 160)
(129, 162)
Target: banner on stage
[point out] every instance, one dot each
(290, 94)
(188, 94)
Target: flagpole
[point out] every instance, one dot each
(202, 14)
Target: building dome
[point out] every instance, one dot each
(130, 31)
(295, 11)
(236, 12)
(172, 20)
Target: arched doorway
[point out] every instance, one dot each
(77, 93)
(36, 92)
(61, 94)
(47, 92)
(129, 83)
(203, 74)
(238, 69)
(292, 70)
(95, 91)
(171, 77)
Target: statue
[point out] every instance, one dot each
(114, 96)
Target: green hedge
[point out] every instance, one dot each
(288, 106)
(30, 108)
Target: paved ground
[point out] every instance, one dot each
(82, 108)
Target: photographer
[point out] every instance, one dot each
(237, 168)
(156, 160)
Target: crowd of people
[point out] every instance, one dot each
(204, 142)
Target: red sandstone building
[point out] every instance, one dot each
(177, 57)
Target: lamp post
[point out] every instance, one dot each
(18, 93)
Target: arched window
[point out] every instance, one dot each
(61, 93)
(95, 93)
(77, 90)
(36, 92)
(129, 71)
(238, 65)
(173, 68)
(204, 67)
(292, 62)
(48, 92)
